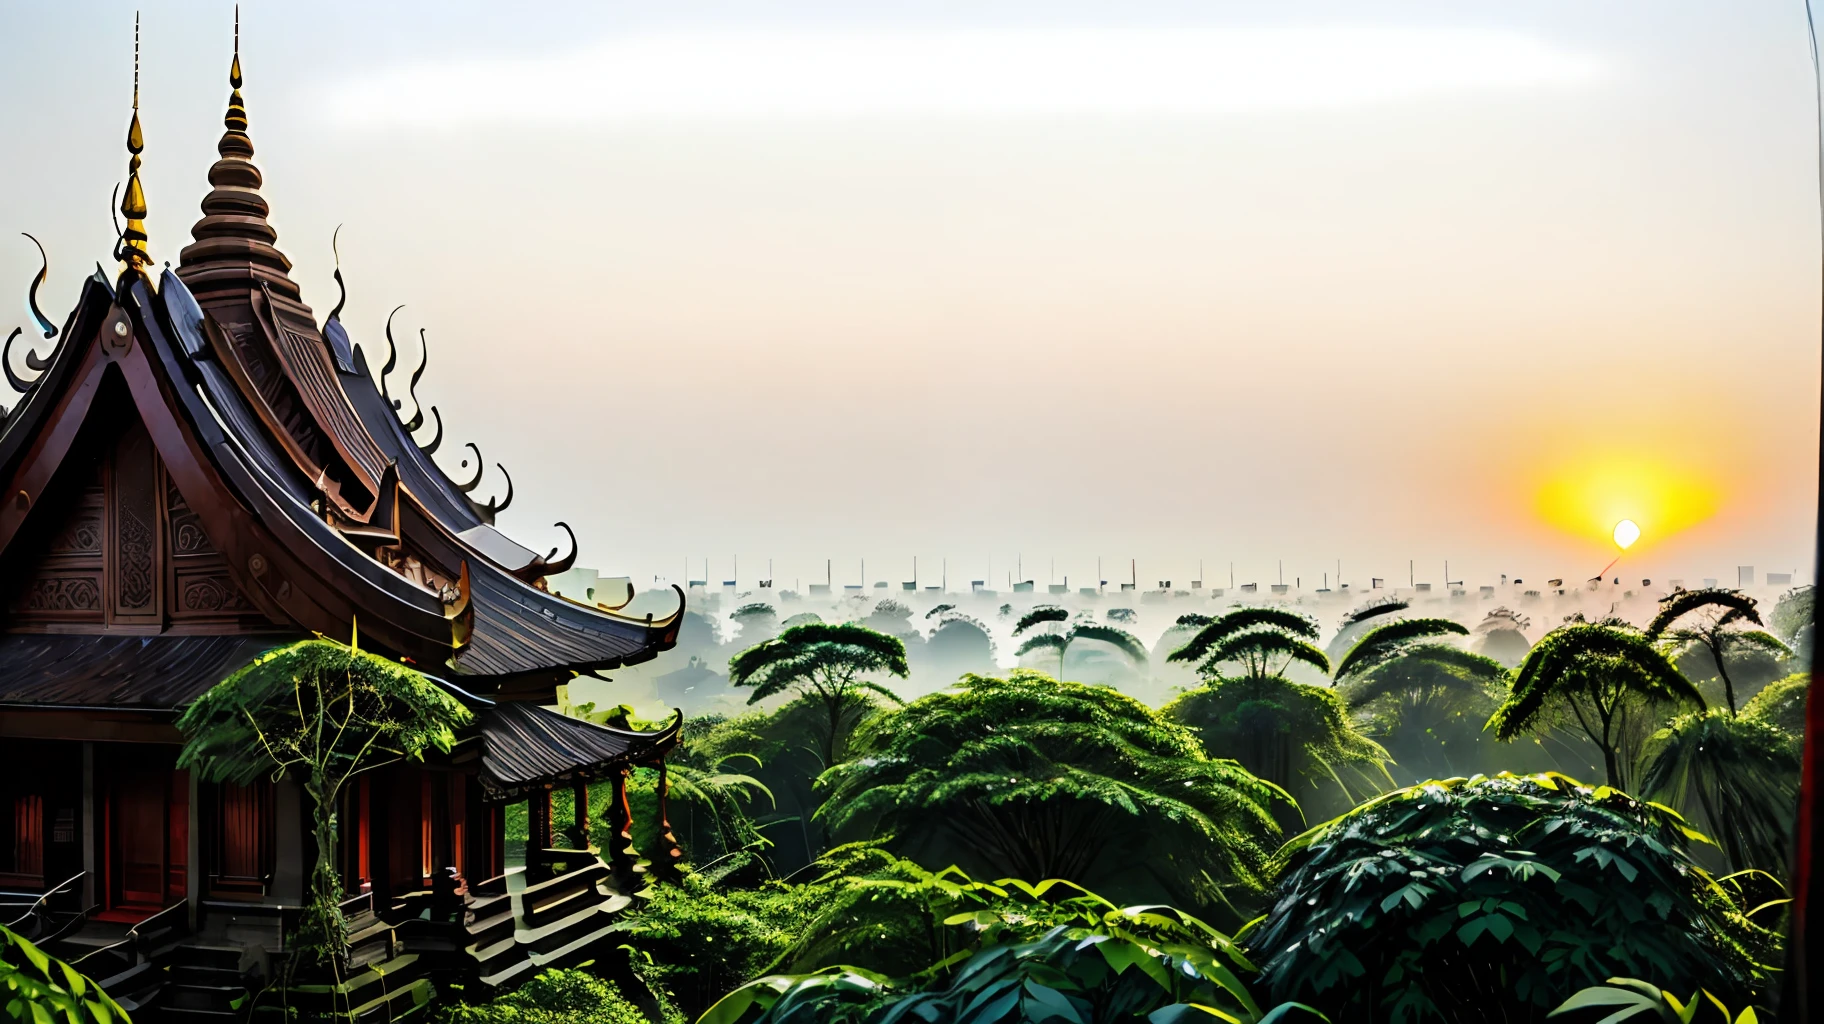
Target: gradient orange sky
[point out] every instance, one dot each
(1055, 282)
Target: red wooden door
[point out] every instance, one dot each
(242, 853)
(137, 837)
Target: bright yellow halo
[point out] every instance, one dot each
(1600, 493)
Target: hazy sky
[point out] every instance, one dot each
(1165, 281)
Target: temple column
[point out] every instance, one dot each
(538, 833)
(92, 888)
(193, 854)
(670, 857)
(623, 862)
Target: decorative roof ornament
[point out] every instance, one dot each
(232, 248)
(131, 249)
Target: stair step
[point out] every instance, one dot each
(203, 997)
(395, 1005)
(201, 974)
(574, 952)
(207, 956)
(185, 1013)
(564, 906)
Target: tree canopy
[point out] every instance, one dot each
(1606, 680)
(828, 662)
(1032, 776)
(1436, 903)
(1263, 641)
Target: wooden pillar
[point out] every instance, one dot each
(670, 858)
(538, 833)
(623, 862)
(580, 793)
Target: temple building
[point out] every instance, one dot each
(199, 471)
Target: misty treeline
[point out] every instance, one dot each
(1400, 811)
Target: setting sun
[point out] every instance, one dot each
(1623, 496)
(1626, 533)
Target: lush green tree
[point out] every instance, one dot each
(1425, 700)
(1738, 778)
(757, 621)
(827, 662)
(1781, 704)
(1496, 899)
(1264, 642)
(1604, 679)
(1623, 998)
(1040, 778)
(1711, 620)
(1295, 736)
(38, 988)
(322, 713)
(1791, 621)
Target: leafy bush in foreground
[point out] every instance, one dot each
(1077, 959)
(553, 997)
(38, 987)
(1426, 903)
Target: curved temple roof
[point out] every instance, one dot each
(327, 511)
(526, 749)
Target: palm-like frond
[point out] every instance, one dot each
(1120, 639)
(1041, 642)
(1387, 641)
(1422, 664)
(1050, 613)
(1361, 615)
(1738, 775)
(1759, 640)
(1243, 620)
(1733, 604)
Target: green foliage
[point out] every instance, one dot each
(1123, 641)
(1031, 776)
(824, 661)
(1737, 777)
(1034, 957)
(1264, 641)
(320, 711)
(1605, 679)
(1361, 621)
(752, 610)
(1709, 619)
(1791, 621)
(1426, 902)
(1781, 704)
(37, 988)
(1292, 735)
(1384, 643)
(1624, 998)
(552, 997)
(1039, 616)
(1427, 704)
(708, 935)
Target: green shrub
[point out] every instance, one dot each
(1428, 902)
(553, 997)
(39, 988)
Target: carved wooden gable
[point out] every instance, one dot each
(117, 548)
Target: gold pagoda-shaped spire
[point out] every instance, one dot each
(232, 248)
(133, 204)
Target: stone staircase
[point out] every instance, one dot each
(559, 921)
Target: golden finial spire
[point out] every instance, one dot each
(133, 205)
(236, 118)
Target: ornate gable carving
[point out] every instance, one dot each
(115, 546)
